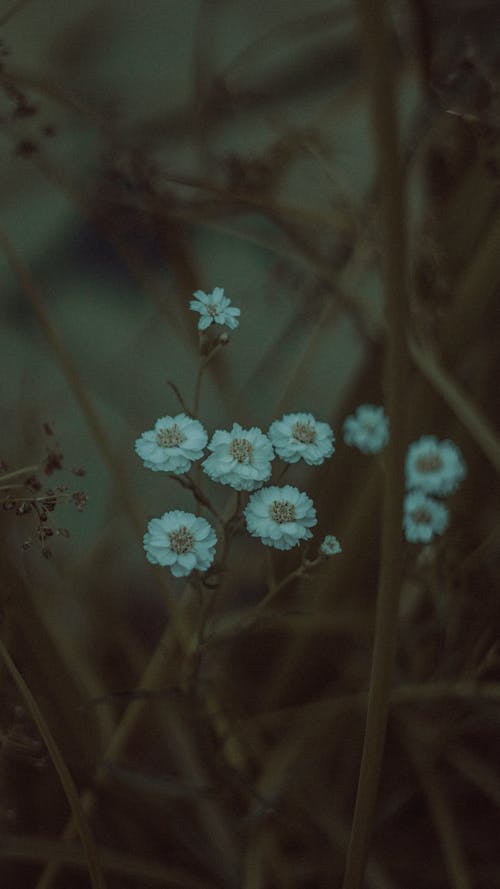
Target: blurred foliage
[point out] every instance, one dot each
(149, 150)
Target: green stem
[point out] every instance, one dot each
(380, 77)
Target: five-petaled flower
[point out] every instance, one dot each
(433, 466)
(300, 436)
(280, 516)
(214, 307)
(181, 540)
(367, 429)
(173, 444)
(240, 458)
(423, 517)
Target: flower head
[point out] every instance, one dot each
(330, 546)
(214, 307)
(423, 517)
(433, 466)
(172, 445)
(182, 541)
(240, 458)
(280, 516)
(367, 429)
(298, 436)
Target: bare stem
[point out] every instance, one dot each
(185, 481)
(380, 77)
(204, 360)
(12, 10)
(178, 395)
(197, 387)
(72, 795)
(26, 470)
(31, 292)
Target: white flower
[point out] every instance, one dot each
(367, 429)
(423, 517)
(182, 541)
(330, 546)
(298, 436)
(172, 445)
(241, 458)
(433, 466)
(281, 517)
(214, 307)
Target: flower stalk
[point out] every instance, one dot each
(378, 58)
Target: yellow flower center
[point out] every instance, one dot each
(282, 511)
(304, 432)
(241, 450)
(170, 438)
(181, 540)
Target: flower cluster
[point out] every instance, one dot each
(240, 458)
(280, 516)
(433, 469)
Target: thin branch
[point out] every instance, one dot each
(80, 819)
(380, 76)
(472, 418)
(12, 10)
(178, 395)
(441, 813)
(26, 470)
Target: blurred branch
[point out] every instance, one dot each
(81, 822)
(440, 811)
(12, 10)
(380, 76)
(472, 418)
(30, 291)
(19, 78)
(417, 693)
(35, 848)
